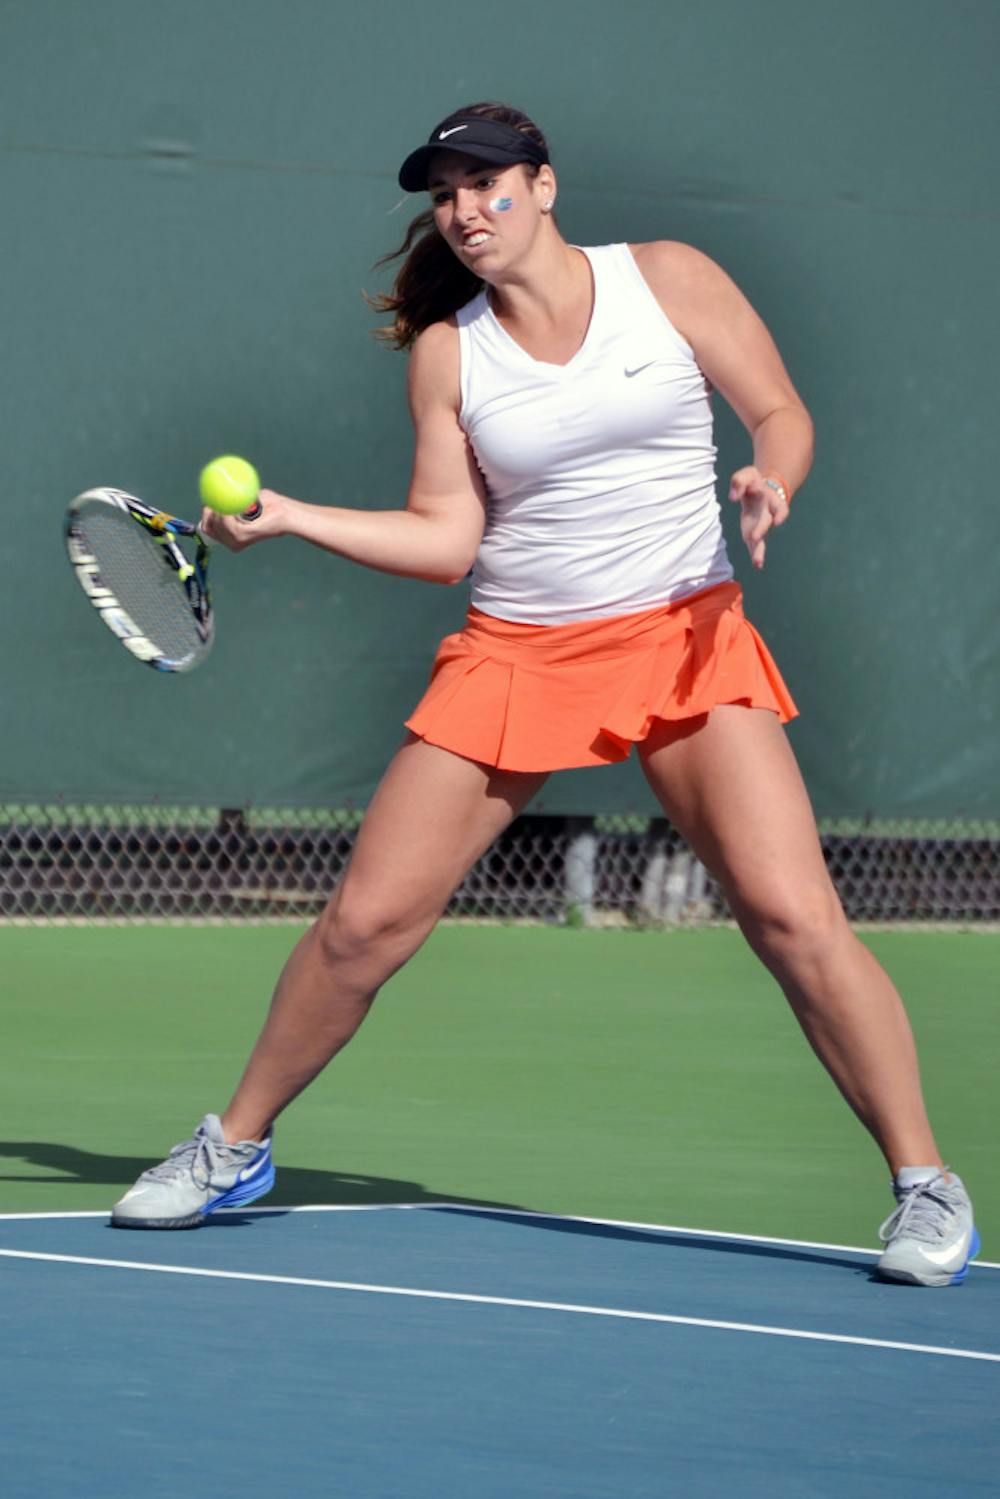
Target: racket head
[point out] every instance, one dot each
(151, 594)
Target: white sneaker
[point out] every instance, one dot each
(931, 1237)
(198, 1176)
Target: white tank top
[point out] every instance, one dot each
(600, 473)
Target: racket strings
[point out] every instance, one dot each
(143, 579)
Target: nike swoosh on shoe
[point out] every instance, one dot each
(249, 1171)
(944, 1257)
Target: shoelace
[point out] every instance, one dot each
(198, 1157)
(921, 1212)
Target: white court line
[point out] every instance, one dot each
(464, 1207)
(540, 1306)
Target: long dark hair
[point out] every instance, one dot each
(432, 283)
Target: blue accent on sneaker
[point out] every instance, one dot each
(258, 1185)
(974, 1248)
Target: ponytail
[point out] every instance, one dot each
(430, 285)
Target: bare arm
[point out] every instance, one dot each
(436, 537)
(737, 353)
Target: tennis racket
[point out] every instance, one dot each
(151, 592)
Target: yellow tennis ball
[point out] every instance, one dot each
(229, 485)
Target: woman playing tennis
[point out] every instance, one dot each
(561, 404)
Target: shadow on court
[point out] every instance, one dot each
(675, 1240)
(295, 1184)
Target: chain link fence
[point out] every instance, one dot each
(146, 863)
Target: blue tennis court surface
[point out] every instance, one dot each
(438, 1352)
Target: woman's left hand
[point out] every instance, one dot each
(762, 507)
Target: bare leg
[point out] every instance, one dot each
(732, 788)
(430, 819)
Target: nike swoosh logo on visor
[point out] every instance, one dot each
(445, 133)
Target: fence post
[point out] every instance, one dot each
(675, 886)
(673, 882)
(654, 874)
(580, 870)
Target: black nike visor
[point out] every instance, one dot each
(487, 140)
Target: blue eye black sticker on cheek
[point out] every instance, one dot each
(501, 205)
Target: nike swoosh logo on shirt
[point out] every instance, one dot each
(638, 369)
(445, 133)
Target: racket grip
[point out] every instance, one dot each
(254, 513)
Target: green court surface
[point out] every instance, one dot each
(642, 1076)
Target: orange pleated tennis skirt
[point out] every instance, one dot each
(556, 697)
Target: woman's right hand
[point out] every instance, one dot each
(237, 534)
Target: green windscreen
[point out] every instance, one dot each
(193, 199)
